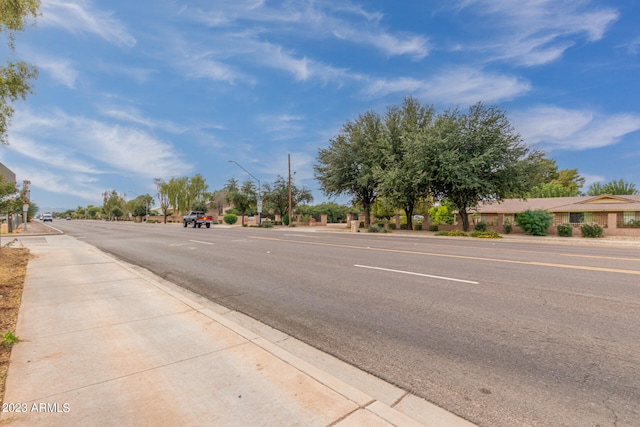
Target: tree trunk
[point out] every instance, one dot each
(465, 218)
(367, 214)
(408, 210)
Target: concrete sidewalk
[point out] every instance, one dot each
(107, 343)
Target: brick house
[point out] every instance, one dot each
(618, 215)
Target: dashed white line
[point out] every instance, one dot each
(417, 274)
(203, 243)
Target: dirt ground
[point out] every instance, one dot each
(13, 268)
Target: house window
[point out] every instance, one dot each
(630, 219)
(561, 218)
(576, 217)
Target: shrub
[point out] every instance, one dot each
(266, 224)
(230, 218)
(442, 233)
(591, 230)
(377, 228)
(8, 339)
(433, 227)
(403, 226)
(417, 227)
(457, 233)
(392, 226)
(507, 227)
(565, 230)
(481, 226)
(534, 222)
(488, 234)
(285, 219)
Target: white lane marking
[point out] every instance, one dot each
(203, 243)
(416, 274)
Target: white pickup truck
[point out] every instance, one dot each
(196, 219)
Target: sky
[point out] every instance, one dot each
(129, 91)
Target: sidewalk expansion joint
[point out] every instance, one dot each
(400, 399)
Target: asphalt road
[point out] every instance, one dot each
(500, 332)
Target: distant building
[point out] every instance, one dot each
(8, 175)
(618, 215)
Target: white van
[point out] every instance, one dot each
(47, 217)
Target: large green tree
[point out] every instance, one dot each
(348, 165)
(552, 189)
(276, 196)
(403, 173)
(8, 191)
(178, 194)
(15, 76)
(242, 198)
(162, 192)
(197, 193)
(478, 157)
(548, 181)
(113, 205)
(140, 205)
(614, 187)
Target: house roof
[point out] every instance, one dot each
(603, 203)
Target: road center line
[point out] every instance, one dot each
(476, 258)
(198, 241)
(412, 273)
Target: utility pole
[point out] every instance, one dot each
(290, 201)
(25, 207)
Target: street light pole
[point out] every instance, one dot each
(256, 179)
(25, 207)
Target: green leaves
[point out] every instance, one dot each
(534, 222)
(415, 153)
(15, 76)
(619, 187)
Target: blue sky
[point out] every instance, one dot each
(133, 90)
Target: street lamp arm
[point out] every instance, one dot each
(249, 173)
(258, 181)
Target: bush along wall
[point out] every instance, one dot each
(534, 222)
(565, 230)
(592, 230)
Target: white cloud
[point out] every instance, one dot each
(633, 47)
(460, 86)
(61, 70)
(79, 185)
(79, 17)
(283, 126)
(89, 145)
(314, 20)
(537, 32)
(303, 69)
(198, 63)
(136, 117)
(558, 128)
(591, 179)
(58, 157)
